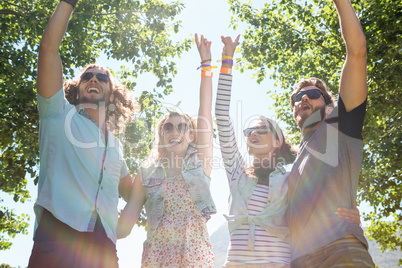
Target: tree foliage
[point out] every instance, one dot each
(138, 33)
(289, 40)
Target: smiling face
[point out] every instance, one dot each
(94, 86)
(306, 107)
(261, 142)
(176, 135)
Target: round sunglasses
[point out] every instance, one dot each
(261, 130)
(103, 78)
(311, 94)
(181, 127)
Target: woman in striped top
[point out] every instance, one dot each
(258, 202)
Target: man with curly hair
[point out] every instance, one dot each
(82, 170)
(325, 173)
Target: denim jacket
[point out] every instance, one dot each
(273, 217)
(154, 183)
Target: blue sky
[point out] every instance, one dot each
(210, 18)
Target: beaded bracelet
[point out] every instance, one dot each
(204, 61)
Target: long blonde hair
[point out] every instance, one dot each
(158, 151)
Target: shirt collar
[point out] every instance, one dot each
(84, 112)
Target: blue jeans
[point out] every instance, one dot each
(345, 252)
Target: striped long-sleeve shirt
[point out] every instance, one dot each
(253, 238)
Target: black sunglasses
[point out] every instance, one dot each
(261, 130)
(311, 94)
(181, 128)
(103, 78)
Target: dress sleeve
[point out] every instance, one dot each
(232, 159)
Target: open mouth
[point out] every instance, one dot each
(305, 107)
(93, 90)
(175, 141)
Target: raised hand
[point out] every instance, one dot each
(204, 47)
(229, 46)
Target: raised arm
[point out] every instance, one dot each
(353, 84)
(204, 120)
(131, 212)
(231, 156)
(50, 72)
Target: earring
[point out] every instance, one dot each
(112, 107)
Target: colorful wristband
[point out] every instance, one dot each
(208, 68)
(224, 57)
(203, 66)
(228, 61)
(207, 73)
(71, 2)
(226, 70)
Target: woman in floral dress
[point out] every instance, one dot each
(173, 185)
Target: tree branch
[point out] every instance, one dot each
(9, 12)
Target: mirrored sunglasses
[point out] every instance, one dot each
(103, 78)
(181, 128)
(311, 94)
(261, 130)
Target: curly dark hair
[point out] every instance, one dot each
(285, 154)
(317, 82)
(123, 106)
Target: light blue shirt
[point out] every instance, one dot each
(70, 186)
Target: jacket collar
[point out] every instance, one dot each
(188, 161)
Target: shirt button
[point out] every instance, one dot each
(104, 168)
(101, 187)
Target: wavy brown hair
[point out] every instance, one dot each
(285, 154)
(119, 112)
(317, 82)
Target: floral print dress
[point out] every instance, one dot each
(181, 239)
